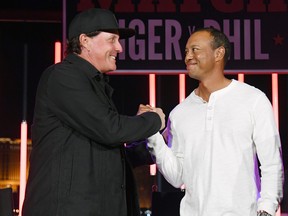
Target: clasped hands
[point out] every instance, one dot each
(147, 108)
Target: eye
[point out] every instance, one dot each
(113, 39)
(194, 49)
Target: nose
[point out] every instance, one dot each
(188, 56)
(118, 47)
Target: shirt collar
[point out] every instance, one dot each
(86, 66)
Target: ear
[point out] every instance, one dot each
(219, 53)
(83, 39)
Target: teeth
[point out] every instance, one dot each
(113, 57)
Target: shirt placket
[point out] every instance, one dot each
(210, 113)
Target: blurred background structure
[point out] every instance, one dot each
(29, 30)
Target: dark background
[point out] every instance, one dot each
(28, 30)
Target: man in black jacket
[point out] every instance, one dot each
(78, 164)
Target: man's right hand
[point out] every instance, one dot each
(147, 108)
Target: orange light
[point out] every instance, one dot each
(152, 102)
(240, 77)
(57, 50)
(182, 87)
(153, 170)
(152, 90)
(275, 102)
(23, 164)
(182, 95)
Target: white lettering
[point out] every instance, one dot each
(240, 37)
(172, 41)
(257, 39)
(153, 39)
(149, 43)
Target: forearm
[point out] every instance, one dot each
(168, 163)
(272, 176)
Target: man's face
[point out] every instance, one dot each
(200, 57)
(103, 50)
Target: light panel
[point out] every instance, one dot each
(23, 164)
(241, 77)
(275, 104)
(152, 102)
(182, 87)
(57, 50)
(275, 101)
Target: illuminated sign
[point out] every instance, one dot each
(257, 31)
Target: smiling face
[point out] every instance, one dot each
(199, 55)
(101, 51)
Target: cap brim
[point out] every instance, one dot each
(123, 32)
(126, 33)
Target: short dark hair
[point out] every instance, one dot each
(219, 39)
(74, 46)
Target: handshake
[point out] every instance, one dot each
(147, 108)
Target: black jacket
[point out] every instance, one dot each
(78, 163)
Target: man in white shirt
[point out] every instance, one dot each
(215, 136)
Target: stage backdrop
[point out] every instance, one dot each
(258, 32)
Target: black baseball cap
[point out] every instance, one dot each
(97, 19)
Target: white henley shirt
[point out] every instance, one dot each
(212, 149)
